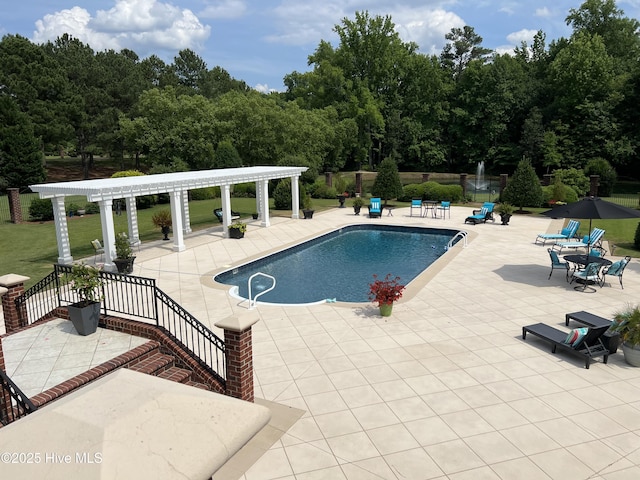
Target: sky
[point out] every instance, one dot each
(260, 41)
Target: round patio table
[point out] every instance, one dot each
(585, 260)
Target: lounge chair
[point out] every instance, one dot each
(616, 269)
(416, 203)
(98, 249)
(556, 263)
(218, 213)
(588, 346)
(375, 208)
(593, 240)
(481, 217)
(567, 233)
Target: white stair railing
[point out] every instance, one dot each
(253, 301)
(462, 234)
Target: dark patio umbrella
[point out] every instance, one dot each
(590, 208)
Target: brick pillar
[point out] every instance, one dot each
(15, 209)
(328, 178)
(13, 319)
(2, 367)
(503, 183)
(5, 399)
(463, 184)
(239, 352)
(425, 177)
(358, 184)
(594, 183)
(546, 179)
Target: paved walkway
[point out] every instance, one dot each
(445, 388)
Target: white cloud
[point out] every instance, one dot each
(141, 25)
(217, 9)
(543, 12)
(264, 88)
(524, 35)
(426, 27)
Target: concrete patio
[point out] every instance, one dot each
(445, 388)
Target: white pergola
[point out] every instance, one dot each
(177, 185)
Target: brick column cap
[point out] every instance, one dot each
(3, 291)
(239, 322)
(11, 279)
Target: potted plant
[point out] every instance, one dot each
(627, 323)
(385, 292)
(237, 229)
(255, 215)
(162, 219)
(357, 203)
(505, 210)
(307, 209)
(86, 282)
(124, 258)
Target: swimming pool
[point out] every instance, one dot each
(340, 264)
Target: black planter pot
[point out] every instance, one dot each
(505, 217)
(124, 265)
(308, 214)
(165, 232)
(235, 233)
(254, 216)
(85, 317)
(356, 210)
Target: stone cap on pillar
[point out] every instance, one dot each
(11, 279)
(239, 322)
(3, 291)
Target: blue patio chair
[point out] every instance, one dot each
(616, 269)
(592, 240)
(591, 274)
(567, 233)
(375, 208)
(556, 263)
(481, 216)
(444, 207)
(416, 203)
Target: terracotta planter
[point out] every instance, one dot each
(385, 309)
(85, 317)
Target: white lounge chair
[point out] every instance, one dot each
(567, 233)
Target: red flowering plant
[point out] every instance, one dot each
(386, 291)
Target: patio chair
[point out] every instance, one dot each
(375, 208)
(594, 240)
(586, 343)
(481, 217)
(98, 249)
(591, 274)
(567, 233)
(416, 203)
(443, 208)
(218, 213)
(556, 263)
(489, 206)
(616, 269)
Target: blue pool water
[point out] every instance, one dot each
(341, 264)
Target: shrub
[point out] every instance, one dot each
(91, 208)
(550, 193)
(523, 190)
(72, 209)
(320, 189)
(245, 190)
(574, 178)
(436, 191)
(41, 209)
(282, 195)
(387, 184)
(411, 191)
(206, 193)
(146, 201)
(636, 239)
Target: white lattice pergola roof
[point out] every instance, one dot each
(177, 185)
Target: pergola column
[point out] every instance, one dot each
(132, 220)
(264, 204)
(62, 230)
(176, 220)
(295, 197)
(225, 196)
(186, 218)
(108, 232)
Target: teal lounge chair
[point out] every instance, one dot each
(567, 233)
(375, 208)
(481, 216)
(594, 240)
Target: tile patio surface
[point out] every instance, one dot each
(445, 388)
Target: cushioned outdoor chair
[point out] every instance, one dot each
(98, 249)
(556, 263)
(567, 233)
(615, 270)
(583, 342)
(481, 217)
(443, 208)
(375, 208)
(594, 240)
(218, 213)
(416, 203)
(591, 274)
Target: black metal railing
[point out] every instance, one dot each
(13, 403)
(135, 298)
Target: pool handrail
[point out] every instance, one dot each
(254, 301)
(461, 233)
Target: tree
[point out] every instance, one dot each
(607, 174)
(464, 47)
(226, 155)
(20, 155)
(524, 188)
(387, 184)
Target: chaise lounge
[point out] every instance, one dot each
(567, 233)
(587, 346)
(218, 213)
(594, 240)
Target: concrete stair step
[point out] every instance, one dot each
(193, 383)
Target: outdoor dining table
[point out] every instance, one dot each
(585, 260)
(429, 205)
